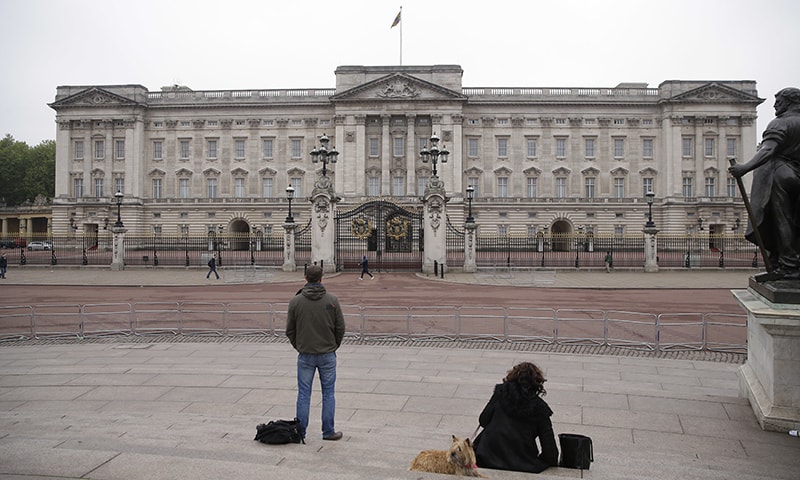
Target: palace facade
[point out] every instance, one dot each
(557, 160)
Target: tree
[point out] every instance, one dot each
(26, 172)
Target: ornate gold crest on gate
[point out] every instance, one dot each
(361, 228)
(397, 228)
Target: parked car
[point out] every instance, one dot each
(8, 244)
(40, 246)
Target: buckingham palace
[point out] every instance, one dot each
(558, 160)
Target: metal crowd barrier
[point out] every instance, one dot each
(720, 332)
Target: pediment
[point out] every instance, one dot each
(590, 172)
(474, 171)
(93, 97)
(502, 171)
(239, 172)
(211, 172)
(649, 171)
(532, 172)
(156, 172)
(562, 171)
(714, 92)
(398, 86)
(183, 172)
(267, 172)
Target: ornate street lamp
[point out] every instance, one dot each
(290, 196)
(322, 154)
(470, 196)
(433, 153)
(650, 196)
(118, 196)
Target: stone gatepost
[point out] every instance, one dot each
(650, 250)
(289, 264)
(118, 248)
(770, 379)
(323, 235)
(470, 262)
(434, 218)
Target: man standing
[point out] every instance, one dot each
(775, 194)
(3, 265)
(609, 261)
(315, 327)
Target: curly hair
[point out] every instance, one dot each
(529, 377)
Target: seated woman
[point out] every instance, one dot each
(512, 420)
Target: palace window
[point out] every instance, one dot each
(78, 149)
(119, 149)
(531, 147)
(589, 147)
(266, 187)
(156, 188)
(183, 187)
(589, 185)
(502, 187)
(532, 187)
(158, 153)
(267, 146)
(688, 187)
(472, 147)
(502, 147)
(647, 148)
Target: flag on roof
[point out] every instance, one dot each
(396, 19)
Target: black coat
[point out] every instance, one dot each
(511, 423)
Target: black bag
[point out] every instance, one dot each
(278, 432)
(210, 262)
(576, 451)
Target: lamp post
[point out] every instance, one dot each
(650, 196)
(470, 196)
(118, 196)
(433, 153)
(322, 154)
(289, 196)
(219, 247)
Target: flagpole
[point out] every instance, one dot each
(401, 36)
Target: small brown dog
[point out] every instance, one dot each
(459, 460)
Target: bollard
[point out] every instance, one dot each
(442, 270)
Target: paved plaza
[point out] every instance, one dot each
(166, 407)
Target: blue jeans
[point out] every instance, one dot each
(307, 365)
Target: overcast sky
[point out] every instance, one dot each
(250, 44)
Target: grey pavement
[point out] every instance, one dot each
(567, 278)
(169, 407)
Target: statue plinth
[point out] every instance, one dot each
(770, 380)
(777, 291)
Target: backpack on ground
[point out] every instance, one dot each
(279, 432)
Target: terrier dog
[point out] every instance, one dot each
(459, 460)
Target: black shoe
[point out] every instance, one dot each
(334, 436)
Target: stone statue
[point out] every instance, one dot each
(775, 195)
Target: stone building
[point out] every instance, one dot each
(557, 160)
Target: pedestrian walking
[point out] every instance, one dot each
(212, 267)
(3, 265)
(365, 269)
(609, 262)
(315, 328)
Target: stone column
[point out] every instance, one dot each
(770, 379)
(289, 264)
(323, 236)
(470, 263)
(118, 248)
(650, 250)
(434, 218)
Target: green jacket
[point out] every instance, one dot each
(315, 323)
